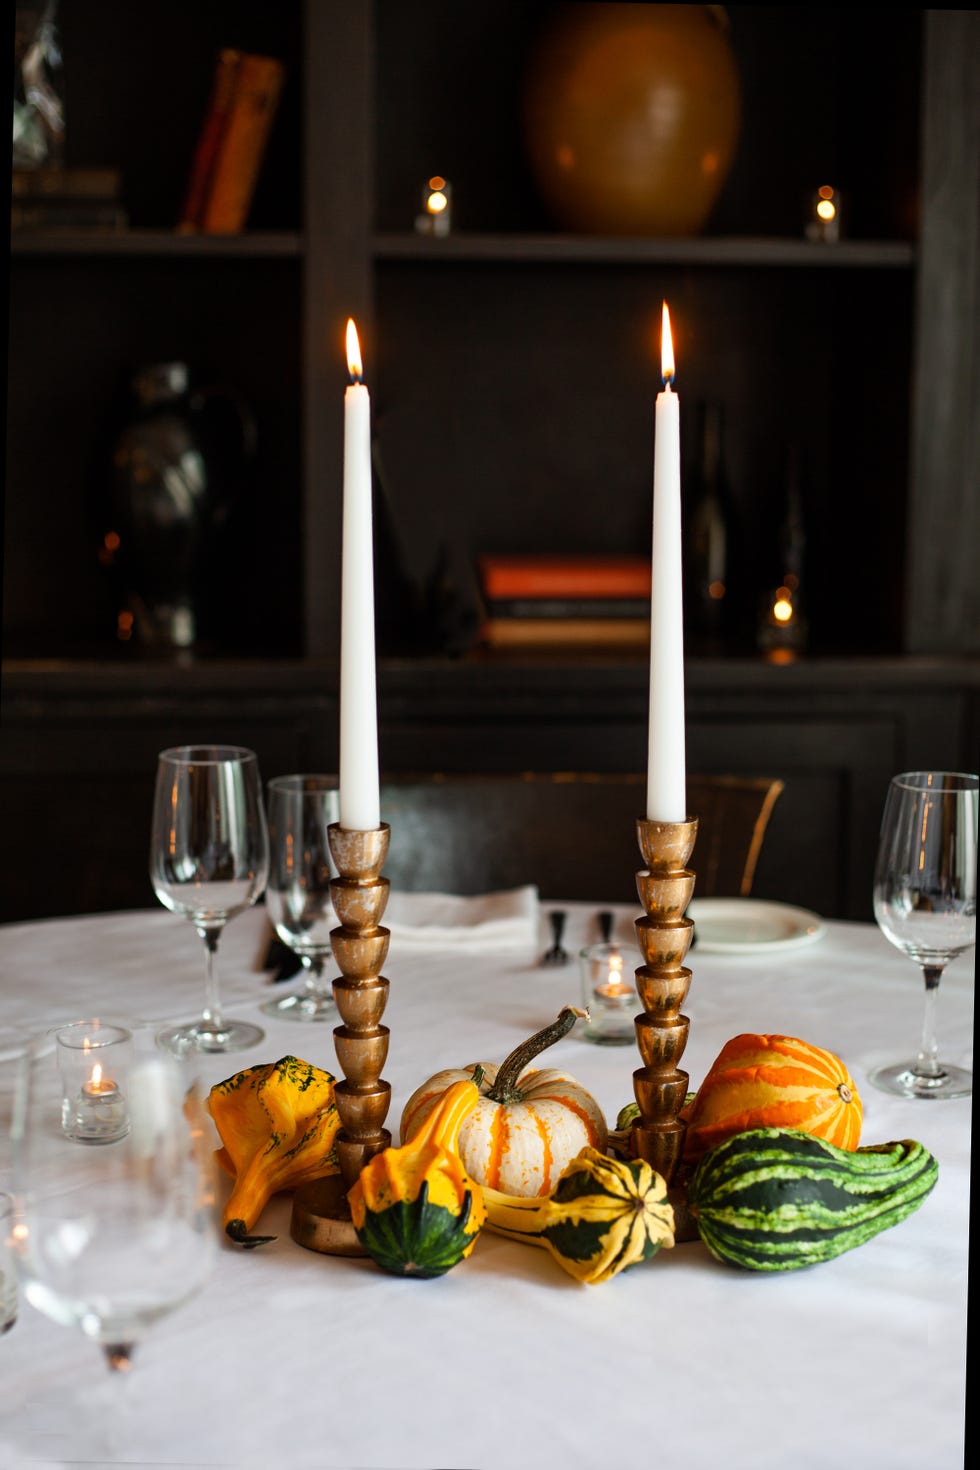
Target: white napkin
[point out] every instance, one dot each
(507, 919)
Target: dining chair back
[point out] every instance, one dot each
(573, 835)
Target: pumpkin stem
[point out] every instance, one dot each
(505, 1089)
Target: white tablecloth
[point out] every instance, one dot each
(293, 1358)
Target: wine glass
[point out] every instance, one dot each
(116, 1231)
(925, 902)
(209, 860)
(301, 808)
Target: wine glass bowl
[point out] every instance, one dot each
(300, 811)
(110, 1239)
(925, 903)
(209, 860)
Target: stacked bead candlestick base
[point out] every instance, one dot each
(665, 887)
(321, 1217)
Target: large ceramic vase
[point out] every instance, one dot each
(631, 116)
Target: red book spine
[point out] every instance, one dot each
(258, 86)
(564, 576)
(206, 150)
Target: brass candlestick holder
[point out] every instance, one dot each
(662, 982)
(321, 1218)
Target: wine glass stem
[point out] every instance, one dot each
(927, 1064)
(314, 976)
(212, 1019)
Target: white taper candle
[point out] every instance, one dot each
(666, 763)
(360, 806)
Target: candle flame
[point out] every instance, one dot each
(666, 348)
(96, 1077)
(354, 366)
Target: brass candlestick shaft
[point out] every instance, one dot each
(321, 1217)
(665, 886)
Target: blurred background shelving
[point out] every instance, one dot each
(512, 366)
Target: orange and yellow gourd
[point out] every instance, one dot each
(773, 1082)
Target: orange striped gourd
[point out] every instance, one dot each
(527, 1125)
(773, 1082)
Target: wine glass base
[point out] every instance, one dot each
(902, 1080)
(302, 1007)
(232, 1036)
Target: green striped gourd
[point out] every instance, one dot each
(776, 1199)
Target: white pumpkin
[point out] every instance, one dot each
(528, 1123)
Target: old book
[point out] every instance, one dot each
(568, 607)
(558, 575)
(102, 185)
(566, 632)
(241, 147)
(206, 151)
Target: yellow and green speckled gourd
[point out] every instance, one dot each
(277, 1124)
(603, 1216)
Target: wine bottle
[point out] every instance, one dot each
(710, 617)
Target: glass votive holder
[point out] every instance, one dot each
(608, 994)
(93, 1060)
(823, 215)
(436, 215)
(8, 1274)
(782, 626)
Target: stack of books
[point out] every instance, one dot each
(245, 93)
(549, 600)
(48, 198)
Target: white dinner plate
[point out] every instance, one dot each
(751, 925)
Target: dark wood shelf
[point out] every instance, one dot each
(253, 244)
(558, 249)
(79, 742)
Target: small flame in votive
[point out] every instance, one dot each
(96, 1081)
(354, 366)
(826, 210)
(666, 348)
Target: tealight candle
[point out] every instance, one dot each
(610, 999)
(437, 207)
(93, 1108)
(613, 991)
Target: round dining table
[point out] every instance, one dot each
(290, 1357)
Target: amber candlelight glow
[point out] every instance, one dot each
(437, 199)
(782, 608)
